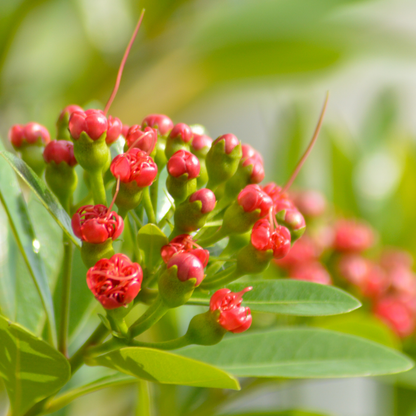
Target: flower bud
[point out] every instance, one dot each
(60, 151)
(63, 120)
(353, 235)
(253, 198)
(125, 130)
(192, 214)
(184, 244)
(93, 122)
(163, 124)
(189, 267)
(60, 174)
(136, 166)
(223, 159)
(256, 167)
(115, 282)
(200, 145)
(232, 316)
(396, 315)
(115, 127)
(183, 163)
(178, 139)
(312, 272)
(29, 134)
(263, 238)
(94, 224)
(142, 139)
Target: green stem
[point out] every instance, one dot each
(172, 344)
(148, 206)
(214, 238)
(221, 279)
(143, 399)
(97, 187)
(96, 337)
(149, 318)
(154, 189)
(166, 217)
(65, 296)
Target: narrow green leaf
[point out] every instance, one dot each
(292, 412)
(165, 367)
(31, 369)
(151, 239)
(301, 353)
(290, 297)
(45, 196)
(64, 399)
(29, 246)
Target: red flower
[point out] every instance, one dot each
(142, 139)
(184, 244)
(92, 122)
(135, 165)
(231, 142)
(183, 131)
(94, 224)
(69, 109)
(201, 141)
(159, 122)
(252, 197)
(264, 237)
(115, 282)
(353, 235)
(207, 198)
(115, 127)
(60, 151)
(233, 317)
(189, 267)
(30, 133)
(183, 162)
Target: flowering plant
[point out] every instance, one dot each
(189, 224)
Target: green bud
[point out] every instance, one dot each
(204, 329)
(91, 253)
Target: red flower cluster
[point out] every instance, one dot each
(233, 317)
(59, 151)
(115, 282)
(29, 133)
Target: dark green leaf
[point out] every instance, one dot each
(165, 367)
(39, 188)
(150, 240)
(31, 368)
(290, 297)
(301, 353)
(29, 246)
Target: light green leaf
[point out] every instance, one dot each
(165, 367)
(151, 239)
(292, 412)
(48, 200)
(31, 369)
(64, 399)
(290, 297)
(22, 228)
(301, 353)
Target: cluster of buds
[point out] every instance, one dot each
(344, 252)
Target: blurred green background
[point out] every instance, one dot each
(259, 69)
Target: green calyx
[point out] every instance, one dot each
(62, 179)
(253, 261)
(237, 221)
(62, 127)
(180, 188)
(128, 197)
(188, 217)
(32, 154)
(204, 329)
(91, 253)
(92, 155)
(220, 165)
(174, 292)
(173, 145)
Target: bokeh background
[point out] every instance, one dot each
(259, 69)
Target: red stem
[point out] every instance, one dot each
(308, 150)
(123, 61)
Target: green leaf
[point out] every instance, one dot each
(165, 367)
(64, 399)
(290, 297)
(29, 246)
(48, 200)
(362, 324)
(32, 370)
(301, 353)
(151, 239)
